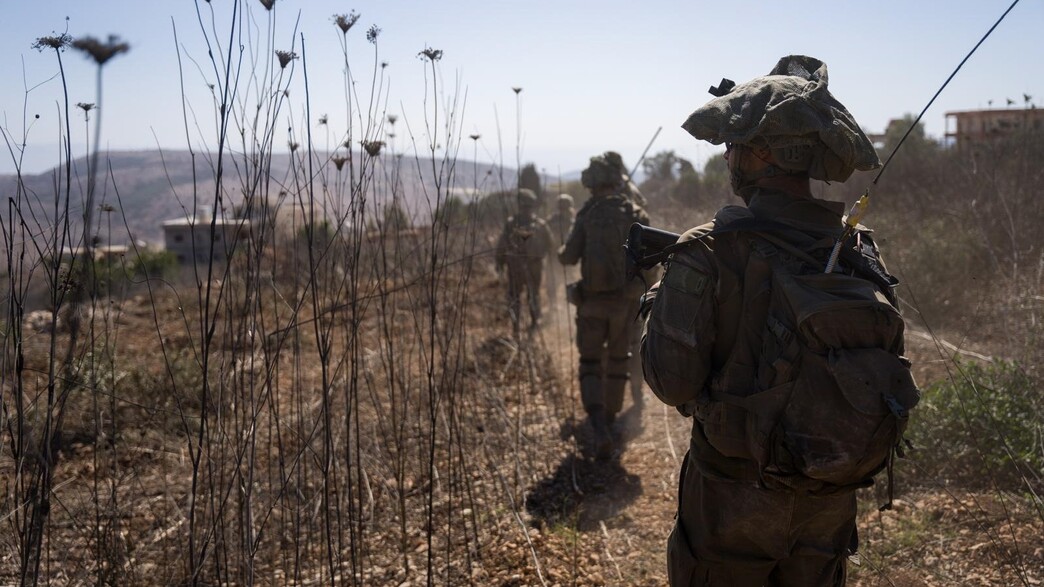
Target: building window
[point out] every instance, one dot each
(178, 238)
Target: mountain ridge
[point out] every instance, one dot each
(151, 186)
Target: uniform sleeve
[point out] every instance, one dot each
(573, 249)
(678, 335)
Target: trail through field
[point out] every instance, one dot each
(605, 521)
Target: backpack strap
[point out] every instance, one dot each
(796, 242)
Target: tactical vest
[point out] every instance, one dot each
(607, 221)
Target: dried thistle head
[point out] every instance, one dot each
(56, 42)
(384, 64)
(475, 136)
(430, 54)
(268, 4)
(323, 119)
(285, 57)
(372, 148)
(345, 21)
(372, 33)
(101, 52)
(392, 119)
(339, 161)
(293, 146)
(516, 90)
(85, 106)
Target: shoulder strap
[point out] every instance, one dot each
(795, 242)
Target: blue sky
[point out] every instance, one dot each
(595, 76)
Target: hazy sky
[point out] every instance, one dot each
(595, 75)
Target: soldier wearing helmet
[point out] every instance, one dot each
(560, 223)
(607, 301)
(521, 249)
(629, 188)
(562, 219)
(706, 327)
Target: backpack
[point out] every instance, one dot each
(526, 238)
(607, 222)
(833, 393)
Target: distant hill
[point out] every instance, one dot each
(152, 186)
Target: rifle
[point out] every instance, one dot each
(645, 248)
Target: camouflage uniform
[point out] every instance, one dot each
(608, 304)
(560, 223)
(522, 246)
(629, 188)
(736, 524)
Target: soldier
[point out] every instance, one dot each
(606, 301)
(525, 242)
(562, 220)
(630, 189)
(709, 330)
(560, 224)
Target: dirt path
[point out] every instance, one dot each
(605, 522)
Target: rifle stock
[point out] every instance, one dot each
(645, 246)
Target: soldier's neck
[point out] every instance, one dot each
(795, 186)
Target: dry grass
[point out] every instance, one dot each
(340, 403)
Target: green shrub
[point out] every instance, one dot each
(982, 427)
(155, 264)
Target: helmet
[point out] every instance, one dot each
(527, 198)
(565, 201)
(614, 159)
(603, 171)
(791, 112)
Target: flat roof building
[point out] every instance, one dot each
(976, 127)
(189, 239)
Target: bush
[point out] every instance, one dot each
(155, 264)
(982, 427)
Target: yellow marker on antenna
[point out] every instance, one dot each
(856, 213)
(851, 222)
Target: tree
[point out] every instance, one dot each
(688, 187)
(716, 176)
(918, 145)
(668, 175)
(453, 212)
(395, 218)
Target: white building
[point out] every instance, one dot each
(189, 239)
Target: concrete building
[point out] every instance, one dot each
(189, 239)
(976, 127)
